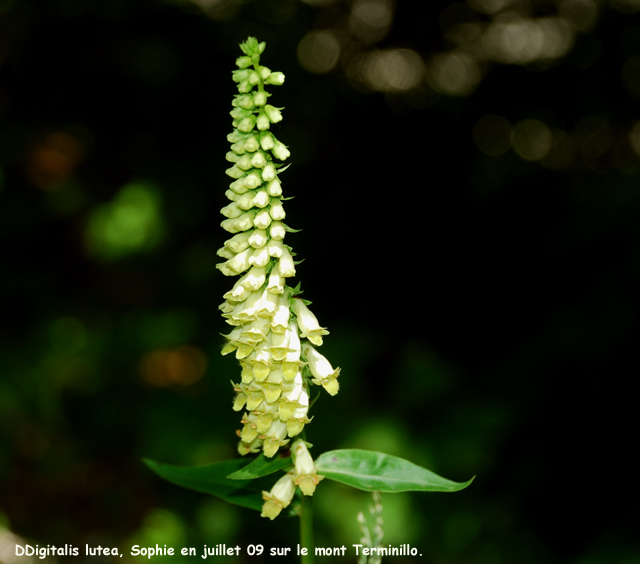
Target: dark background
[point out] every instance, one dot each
(480, 287)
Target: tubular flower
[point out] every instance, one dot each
(305, 471)
(279, 497)
(304, 475)
(270, 325)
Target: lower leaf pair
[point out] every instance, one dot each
(243, 484)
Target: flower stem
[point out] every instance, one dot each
(306, 529)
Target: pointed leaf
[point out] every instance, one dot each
(212, 479)
(375, 471)
(260, 466)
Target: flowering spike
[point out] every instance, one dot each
(272, 329)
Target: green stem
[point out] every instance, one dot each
(306, 529)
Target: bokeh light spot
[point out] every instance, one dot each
(129, 224)
(532, 139)
(516, 41)
(54, 158)
(319, 51)
(370, 19)
(454, 73)
(161, 527)
(393, 70)
(182, 366)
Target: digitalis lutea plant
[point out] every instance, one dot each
(274, 337)
(273, 329)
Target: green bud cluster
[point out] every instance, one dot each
(273, 330)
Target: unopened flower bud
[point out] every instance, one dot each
(268, 173)
(261, 199)
(237, 264)
(277, 230)
(225, 253)
(235, 136)
(232, 211)
(254, 279)
(280, 151)
(246, 102)
(264, 72)
(260, 98)
(240, 113)
(285, 263)
(267, 141)
(260, 257)
(247, 124)
(240, 75)
(242, 223)
(244, 162)
(275, 78)
(254, 77)
(252, 180)
(262, 220)
(258, 160)
(275, 248)
(273, 114)
(243, 62)
(251, 144)
(274, 188)
(262, 122)
(276, 282)
(238, 148)
(258, 238)
(238, 186)
(238, 242)
(277, 211)
(245, 202)
(234, 172)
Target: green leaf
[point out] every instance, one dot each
(212, 479)
(375, 471)
(260, 466)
